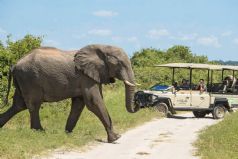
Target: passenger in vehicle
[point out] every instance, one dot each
(175, 86)
(224, 86)
(230, 82)
(236, 86)
(201, 86)
(185, 84)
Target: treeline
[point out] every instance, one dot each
(177, 53)
(147, 75)
(235, 63)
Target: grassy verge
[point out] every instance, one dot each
(17, 140)
(220, 141)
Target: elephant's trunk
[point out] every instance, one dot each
(129, 97)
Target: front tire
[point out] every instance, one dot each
(199, 114)
(219, 112)
(162, 108)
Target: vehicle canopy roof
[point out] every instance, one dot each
(198, 66)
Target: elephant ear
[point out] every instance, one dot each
(92, 62)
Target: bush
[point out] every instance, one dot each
(220, 140)
(10, 54)
(146, 74)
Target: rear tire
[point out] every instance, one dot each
(162, 108)
(199, 114)
(219, 112)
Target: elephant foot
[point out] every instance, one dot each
(68, 131)
(1, 124)
(113, 137)
(37, 128)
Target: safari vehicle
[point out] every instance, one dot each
(217, 99)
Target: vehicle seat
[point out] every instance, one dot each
(231, 86)
(235, 90)
(231, 83)
(223, 88)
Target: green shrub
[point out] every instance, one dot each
(219, 141)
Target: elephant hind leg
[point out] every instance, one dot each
(34, 108)
(76, 109)
(17, 106)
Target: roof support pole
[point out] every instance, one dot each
(173, 71)
(222, 75)
(233, 75)
(208, 80)
(190, 78)
(211, 77)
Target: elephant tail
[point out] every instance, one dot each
(9, 84)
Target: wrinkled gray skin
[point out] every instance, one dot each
(50, 75)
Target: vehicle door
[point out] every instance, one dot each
(182, 98)
(200, 99)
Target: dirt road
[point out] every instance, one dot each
(166, 138)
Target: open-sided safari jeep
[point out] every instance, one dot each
(216, 98)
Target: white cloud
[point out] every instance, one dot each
(50, 42)
(235, 41)
(133, 39)
(117, 38)
(186, 37)
(105, 13)
(76, 36)
(100, 32)
(226, 33)
(158, 33)
(209, 41)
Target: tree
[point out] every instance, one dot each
(11, 53)
(147, 57)
(148, 75)
(179, 53)
(23, 46)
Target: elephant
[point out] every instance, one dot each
(49, 74)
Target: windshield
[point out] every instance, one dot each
(159, 87)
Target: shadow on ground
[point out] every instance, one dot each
(189, 117)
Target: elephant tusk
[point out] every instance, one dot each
(129, 84)
(137, 84)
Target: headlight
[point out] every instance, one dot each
(152, 98)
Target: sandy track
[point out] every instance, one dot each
(167, 138)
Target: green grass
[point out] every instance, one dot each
(220, 141)
(17, 140)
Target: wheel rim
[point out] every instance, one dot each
(161, 109)
(220, 112)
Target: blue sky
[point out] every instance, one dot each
(207, 27)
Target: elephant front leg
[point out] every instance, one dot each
(76, 109)
(95, 104)
(99, 109)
